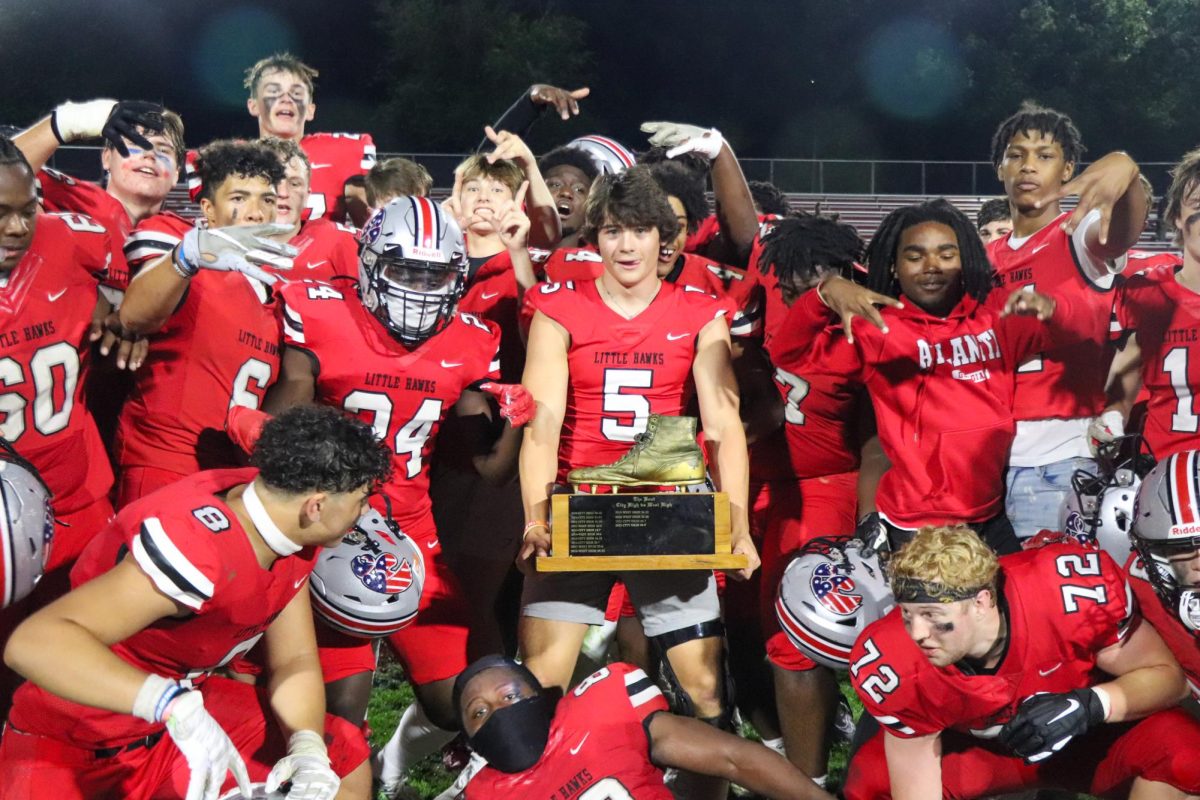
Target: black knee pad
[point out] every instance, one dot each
(681, 702)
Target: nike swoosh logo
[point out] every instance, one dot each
(300, 582)
(319, 166)
(672, 337)
(576, 748)
(1072, 707)
(56, 295)
(1045, 672)
(1035, 250)
(451, 364)
(489, 295)
(319, 263)
(432, 544)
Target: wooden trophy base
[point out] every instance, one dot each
(652, 531)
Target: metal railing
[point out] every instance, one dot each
(797, 175)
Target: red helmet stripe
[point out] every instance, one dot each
(1183, 489)
(427, 227)
(617, 149)
(797, 632)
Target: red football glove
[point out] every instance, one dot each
(245, 425)
(516, 403)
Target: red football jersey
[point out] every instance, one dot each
(623, 370)
(153, 238)
(405, 394)
(567, 263)
(334, 157)
(598, 745)
(328, 253)
(219, 348)
(1184, 644)
(943, 393)
(1064, 604)
(1050, 262)
(46, 306)
(492, 295)
(1166, 318)
(822, 406)
(774, 309)
(191, 545)
(64, 194)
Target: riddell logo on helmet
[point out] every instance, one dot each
(1182, 531)
(427, 253)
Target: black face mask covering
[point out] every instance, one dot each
(514, 737)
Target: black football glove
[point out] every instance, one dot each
(125, 119)
(873, 534)
(1045, 723)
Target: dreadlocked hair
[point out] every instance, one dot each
(977, 275)
(798, 245)
(571, 157)
(678, 181)
(695, 163)
(1032, 118)
(11, 155)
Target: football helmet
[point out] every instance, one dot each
(26, 526)
(370, 584)
(829, 593)
(412, 268)
(1098, 512)
(609, 155)
(1166, 534)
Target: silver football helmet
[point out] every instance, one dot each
(609, 155)
(829, 593)
(26, 526)
(370, 584)
(1099, 509)
(412, 268)
(1166, 534)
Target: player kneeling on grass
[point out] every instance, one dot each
(996, 675)
(181, 582)
(610, 737)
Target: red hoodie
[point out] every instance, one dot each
(943, 396)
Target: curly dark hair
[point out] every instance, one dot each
(1032, 118)
(320, 449)
(992, 211)
(677, 181)
(798, 245)
(11, 155)
(694, 162)
(977, 275)
(630, 198)
(769, 198)
(217, 161)
(572, 157)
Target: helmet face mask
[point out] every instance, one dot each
(412, 268)
(1099, 510)
(1166, 534)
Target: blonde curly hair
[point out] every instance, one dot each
(949, 562)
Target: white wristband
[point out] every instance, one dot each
(155, 695)
(308, 743)
(71, 121)
(1105, 701)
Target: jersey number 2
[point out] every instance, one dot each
(410, 439)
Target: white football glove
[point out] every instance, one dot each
(306, 767)
(236, 248)
(682, 138)
(1104, 430)
(209, 752)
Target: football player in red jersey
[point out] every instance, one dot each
(325, 250)
(281, 99)
(402, 357)
(941, 379)
(1159, 310)
(609, 737)
(680, 338)
(389, 179)
(988, 678)
(1164, 569)
(180, 583)
(214, 336)
(1072, 254)
(802, 484)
